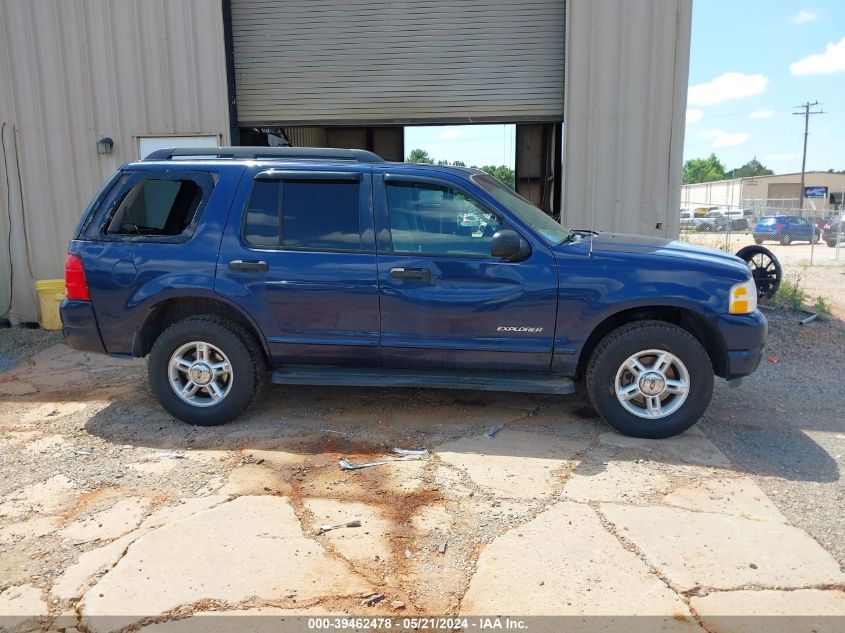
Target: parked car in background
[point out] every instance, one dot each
(710, 222)
(785, 229)
(833, 230)
(736, 219)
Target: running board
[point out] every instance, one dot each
(433, 378)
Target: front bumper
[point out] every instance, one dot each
(79, 326)
(745, 341)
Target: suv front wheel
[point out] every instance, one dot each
(205, 370)
(650, 379)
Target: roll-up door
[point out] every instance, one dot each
(336, 62)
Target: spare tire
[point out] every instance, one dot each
(765, 269)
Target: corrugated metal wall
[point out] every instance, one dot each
(72, 72)
(626, 93)
(391, 61)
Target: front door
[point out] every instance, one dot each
(445, 302)
(298, 255)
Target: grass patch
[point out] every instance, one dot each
(822, 308)
(790, 295)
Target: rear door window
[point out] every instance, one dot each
(321, 214)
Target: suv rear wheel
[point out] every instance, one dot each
(205, 370)
(650, 379)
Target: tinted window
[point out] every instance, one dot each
(315, 214)
(157, 207)
(430, 219)
(262, 215)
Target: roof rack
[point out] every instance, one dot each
(319, 153)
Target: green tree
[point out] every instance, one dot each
(419, 156)
(502, 173)
(703, 170)
(752, 168)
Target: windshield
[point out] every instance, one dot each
(550, 230)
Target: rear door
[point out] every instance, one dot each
(445, 302)
(298, 254)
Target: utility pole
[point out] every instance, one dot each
(806, 113)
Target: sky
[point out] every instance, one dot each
(751, 62)
(477, 145)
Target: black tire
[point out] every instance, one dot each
(249, 371)
(608, 358)
(758, 240)
(785, 239)
(704, 228)
(765, 268)
(831, 243)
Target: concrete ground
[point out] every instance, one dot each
(113, 516)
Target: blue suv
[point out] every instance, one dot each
(232, 266)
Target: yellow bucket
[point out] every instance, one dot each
(51, 292)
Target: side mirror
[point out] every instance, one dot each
(508, 245)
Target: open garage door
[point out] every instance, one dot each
(372, 62)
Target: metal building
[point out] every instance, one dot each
(596, 88)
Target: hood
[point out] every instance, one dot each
(658, 246)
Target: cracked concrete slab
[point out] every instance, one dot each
(249, 547)
(181, 509)
(686, 448)
(564, 562)
(123, 516)
(20, 604)
(620, 481)
(78, 577)
(726, 495)
(720, 551)
(513, 464)
(783, 611)
(44, 497)
(355, 544)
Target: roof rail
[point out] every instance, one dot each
(320, 153)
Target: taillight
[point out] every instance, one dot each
(826, 227)
(778, 227)
(75, 284)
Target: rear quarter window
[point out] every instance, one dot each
(155, 206)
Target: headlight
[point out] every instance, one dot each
(744, 298)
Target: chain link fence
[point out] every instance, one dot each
(804, 248)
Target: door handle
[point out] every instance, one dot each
(421, 274)
(248, 266)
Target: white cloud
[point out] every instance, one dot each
(450, 133)
(765, 113)
(803, 16)
(827, 63)
(721, 138)
(694, 116)
(727, 87)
